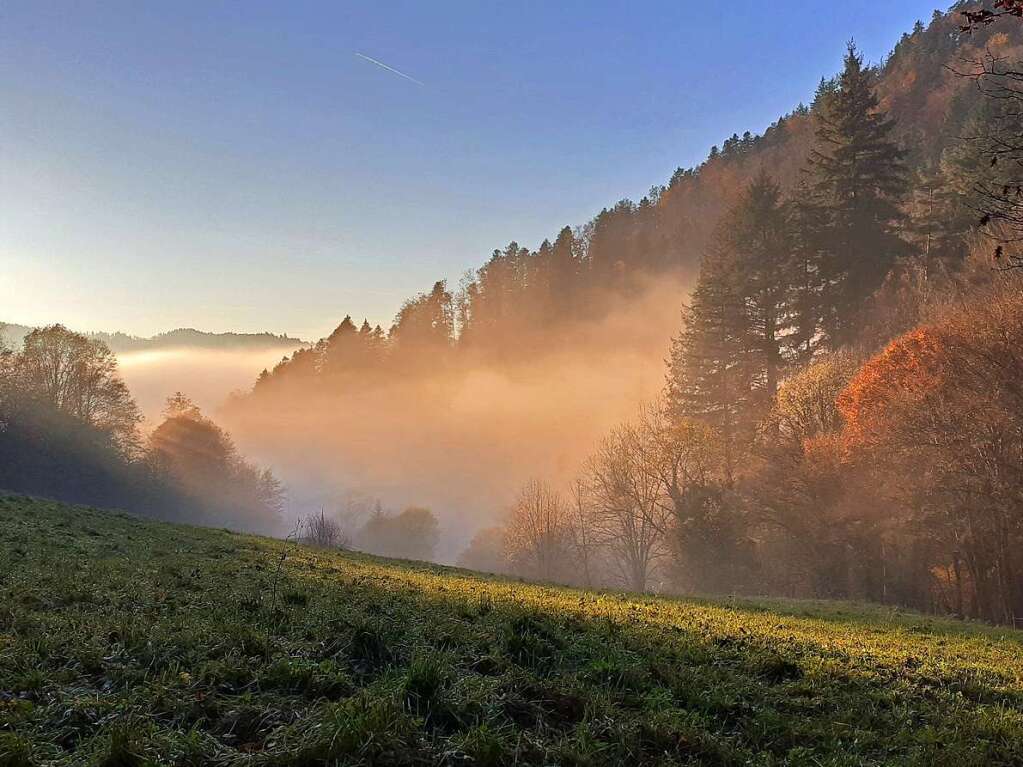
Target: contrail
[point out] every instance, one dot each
(389, 69)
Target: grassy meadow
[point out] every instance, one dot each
(128, 642)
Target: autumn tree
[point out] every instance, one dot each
(800, 489)
(805, 407)
(68, 424)
(69, 430)
(77, 377)
(935, 416)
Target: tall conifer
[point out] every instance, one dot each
(859, 178)
(710, 377)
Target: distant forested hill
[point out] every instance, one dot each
(183, 338)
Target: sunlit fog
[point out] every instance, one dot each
(207, 375)
(460, 441)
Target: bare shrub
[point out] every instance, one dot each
(325, 532)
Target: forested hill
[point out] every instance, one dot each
(197, 339)
(582, 272)
(12, 336)
(793, 447)
(919, 86)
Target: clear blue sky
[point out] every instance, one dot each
(235, 166)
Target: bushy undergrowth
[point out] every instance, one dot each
(125, 642)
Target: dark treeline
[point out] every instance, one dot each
(842, 411)
(69, 429)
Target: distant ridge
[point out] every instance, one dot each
(12, 336)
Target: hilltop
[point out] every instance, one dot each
(12, 336)
(131, 642)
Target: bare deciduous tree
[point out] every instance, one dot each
(537, 530)
(325, 532)
(678, 453)
(585, 541)
(628, 512)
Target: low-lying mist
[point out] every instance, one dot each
(207, 376)
(462, 442)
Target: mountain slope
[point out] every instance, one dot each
(129, 642)
(539, 353)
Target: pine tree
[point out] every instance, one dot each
(756, 237)
(424, 330)
(941, 219)
(564, 274)
(373, 344)
(806, 283)
(339, 352)
(859, 178)
(738, 329)
(710, 377)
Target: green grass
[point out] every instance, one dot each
(125, 642)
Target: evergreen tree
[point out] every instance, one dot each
(564, 273)
(858, 180)
(423, 332)
(710, 376)
(339, 352)
(738, 330)
(942, 218)
(756, 236)
(806, 280)
(374, 344)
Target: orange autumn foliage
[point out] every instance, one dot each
(905, 372)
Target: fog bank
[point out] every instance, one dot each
(207, 376)
(463, 440)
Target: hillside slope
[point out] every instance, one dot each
(130, 642)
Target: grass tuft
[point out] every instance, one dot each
(15, 751)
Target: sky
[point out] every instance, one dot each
(247, 166)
